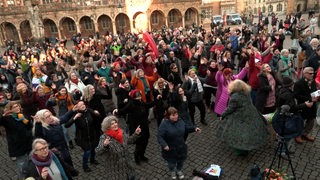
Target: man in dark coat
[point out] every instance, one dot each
(303, 89)
(313, 60)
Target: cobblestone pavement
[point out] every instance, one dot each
(204, 149)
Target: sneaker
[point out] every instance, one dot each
(180, 174)
(173, 175)
(13, 158)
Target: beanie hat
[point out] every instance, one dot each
(134, 93)
(287, 82)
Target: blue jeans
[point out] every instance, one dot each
(85, 158)
(172, 164)
(20, 161)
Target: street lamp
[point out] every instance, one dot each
(121, 17)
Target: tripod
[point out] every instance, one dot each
(284, 115)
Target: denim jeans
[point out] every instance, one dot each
(20, 160)
(85, 158)
(172, 164)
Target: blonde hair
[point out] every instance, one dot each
(87, 95)
(106, 123)
(239, 86)
(41, 116)
(100, 80)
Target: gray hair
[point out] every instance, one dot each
(106, 123)
(37, 141)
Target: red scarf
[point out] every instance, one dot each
(75, 81)
(115, 134)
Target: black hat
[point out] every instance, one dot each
(287, 82)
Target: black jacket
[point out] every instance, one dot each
(19, 136)
(86, 133)
(302, 94)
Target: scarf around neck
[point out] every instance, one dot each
(145, 84)
(41, 163)
(117, 135)
(19, 117)
(76, 81)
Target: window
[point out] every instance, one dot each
(188, 15)
(121, 21)
(53, 28)
(10, 2)
(105, 23)
(270, 8)
(88, 25)
(47, 1)
(71, 26)
(171, 16)
(155, 18)
(279, 7)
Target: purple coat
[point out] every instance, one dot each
(222, 95)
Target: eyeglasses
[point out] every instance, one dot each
(174, 68)
(311, 73)
(45, 148)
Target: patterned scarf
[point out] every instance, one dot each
(117, 134)
(41, 163)
(19, 117)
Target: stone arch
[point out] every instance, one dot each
(157, 20)
(86, 24)
(25, 30)
(104, 24)
(9, 32)
(174, 18)
(122, 23)
(67, 27)
(50, 29)
(191, 17)
(140, 21)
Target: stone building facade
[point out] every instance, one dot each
(26, 19)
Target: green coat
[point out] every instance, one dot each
(242, 126)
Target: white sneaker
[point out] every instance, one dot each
(173, 175)
(180, 174)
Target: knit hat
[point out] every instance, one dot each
(134, 93)
(287, 82)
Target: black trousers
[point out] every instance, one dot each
(201, 107)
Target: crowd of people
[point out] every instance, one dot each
(53, 97)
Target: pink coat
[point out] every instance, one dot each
(222, 95)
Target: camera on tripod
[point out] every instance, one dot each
(287, 124)
(285, 111)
